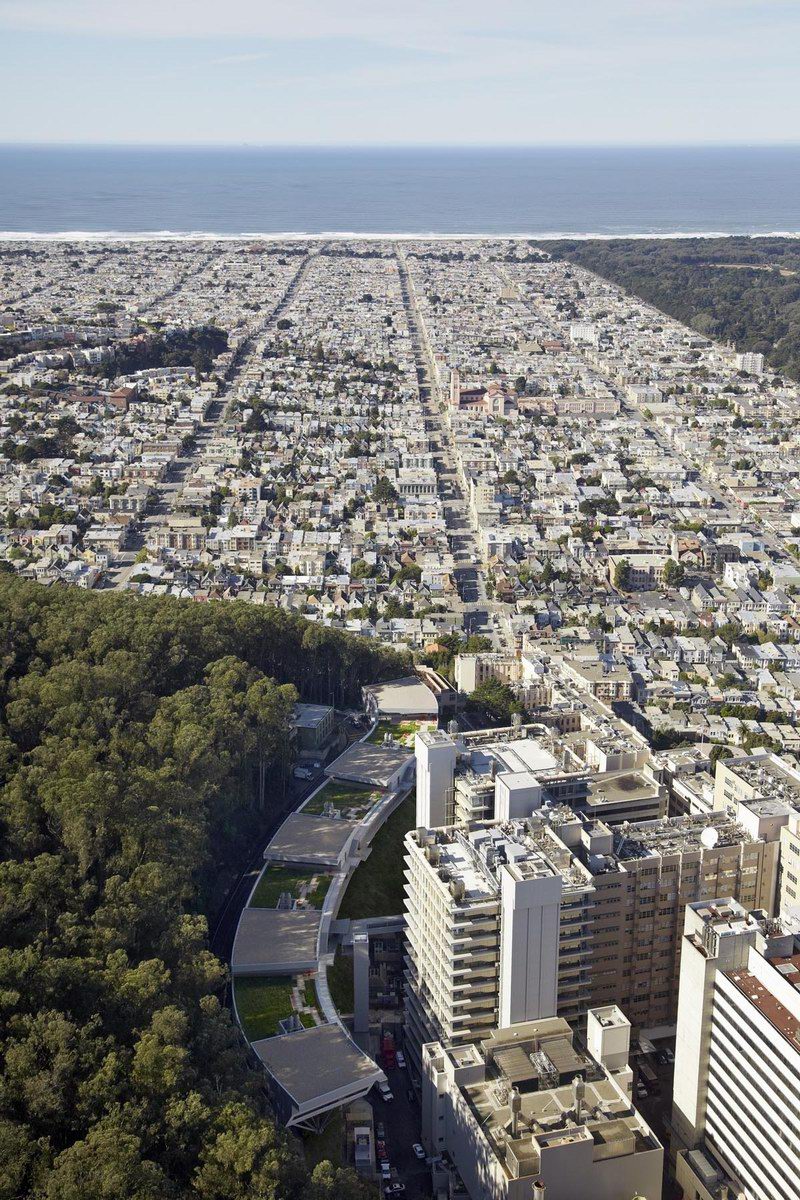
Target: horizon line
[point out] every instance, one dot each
(355, 146)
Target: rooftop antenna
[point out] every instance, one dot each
(709, 837)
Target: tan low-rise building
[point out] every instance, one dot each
(527, 1114)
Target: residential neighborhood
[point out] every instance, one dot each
(495, 460)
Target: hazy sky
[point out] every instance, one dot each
(409, 71)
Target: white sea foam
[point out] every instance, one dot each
(170, 235)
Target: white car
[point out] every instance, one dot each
(401, 1060)
(419, 1150)
(386, 1092)
(386, 1170)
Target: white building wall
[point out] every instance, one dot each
(530, 914)
(698, 973)
(753, 1103)
(436, 764)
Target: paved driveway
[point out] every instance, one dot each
(401, 1119)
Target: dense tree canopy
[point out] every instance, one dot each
(742, 289)
(497, 699)
(138, 742)
(197, 347)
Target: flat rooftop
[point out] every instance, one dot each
(275, 941)
(611, 1016)
(309, 716)
(778, 1015)
(618, 787)
(678, 835)
(540, 1062)
(764, 773)
(316, 1063)
(476, 858)
(312, 839)
(526, 754)
(407, 697)
(763, 806)
(460, 864)
(364, 762)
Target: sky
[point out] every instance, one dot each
(413, 72)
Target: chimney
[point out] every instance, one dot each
(539, 1189)
(516, 1105)
(578, 1092)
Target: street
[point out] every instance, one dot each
(468, 571)
(401, 1118)
(168, 490)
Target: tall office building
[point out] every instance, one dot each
(551, 914)
(486, 910)
(736, 1114)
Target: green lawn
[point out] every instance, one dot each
(340, 982)
(402, 731)
(376, 889)
(311, 994)
(330, 1146)
(276, 880)
(261, 1002)
(317, 1147)
(343, 796)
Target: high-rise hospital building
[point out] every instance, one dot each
(541, 908)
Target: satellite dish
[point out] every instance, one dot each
(709, 837)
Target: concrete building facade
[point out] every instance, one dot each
(500, 912)
(736, 1109)
(526, 1114)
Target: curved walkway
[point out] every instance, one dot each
(342, 861)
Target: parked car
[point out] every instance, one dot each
(401, 1060)
(386, 1170)
(670, 1056)
(386, 1092)
(394, 1189)
(641, 1092)
(301, 773)
(380, 1131)
(419, 1150)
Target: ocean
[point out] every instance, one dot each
(88, 191)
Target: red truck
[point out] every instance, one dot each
(388, 1052)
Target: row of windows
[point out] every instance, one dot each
(742, 1040)
(729, 1141)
